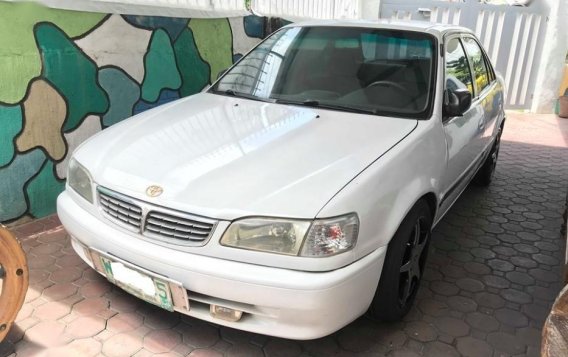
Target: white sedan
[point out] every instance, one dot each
(299, 191)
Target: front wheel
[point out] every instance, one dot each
(404, 265)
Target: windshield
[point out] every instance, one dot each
(377, 71)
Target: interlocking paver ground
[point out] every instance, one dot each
(493, 272)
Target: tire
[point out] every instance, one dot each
(485, 174)
(404, 265)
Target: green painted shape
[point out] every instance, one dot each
(194, 71)
(12, 180)
(160, 67)
(72, 73)
(10, 126)
(123, 93)
(19, 57)
(215, 43)
(43, 191)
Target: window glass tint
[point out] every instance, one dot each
(387, 72)
(376, 46)
(479, 69)
(458, 74)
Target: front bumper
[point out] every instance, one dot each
(278, 302)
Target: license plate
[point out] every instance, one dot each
(142, 284)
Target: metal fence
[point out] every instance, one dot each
(308, 9)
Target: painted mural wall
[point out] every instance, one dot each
(66, 75)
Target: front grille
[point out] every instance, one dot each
(120, 209)
(177, 227)
(153, 221)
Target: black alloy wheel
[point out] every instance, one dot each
(413, 262)
(404, 265)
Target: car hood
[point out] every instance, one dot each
(225, 157)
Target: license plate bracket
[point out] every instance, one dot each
(143, 284)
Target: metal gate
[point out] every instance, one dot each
(513, 36)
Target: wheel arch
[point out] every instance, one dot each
(432, 202)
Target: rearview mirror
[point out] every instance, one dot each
(456, 102)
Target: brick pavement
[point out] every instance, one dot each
(493, 271)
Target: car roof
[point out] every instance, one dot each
(419, 26)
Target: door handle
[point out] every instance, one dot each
(481, 124)
(424, 11)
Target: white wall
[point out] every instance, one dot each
(370, 9)
(553, 58)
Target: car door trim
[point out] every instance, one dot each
(468, 173)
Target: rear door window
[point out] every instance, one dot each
(477, 59)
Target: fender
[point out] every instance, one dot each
(385, 192)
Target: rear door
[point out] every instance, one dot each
(462, 133)
(485, 86)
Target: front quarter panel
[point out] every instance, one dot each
(383, 194)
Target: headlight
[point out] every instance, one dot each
(79, 180)
(267, 235)
(322, 237)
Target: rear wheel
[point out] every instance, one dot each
(485, 174)
(404, 265)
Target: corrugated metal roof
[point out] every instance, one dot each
(170, 8)
(293, 10)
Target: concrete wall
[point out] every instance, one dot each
(553, 58)
(66, 75)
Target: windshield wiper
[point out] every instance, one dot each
(317, 104)
(233, 93)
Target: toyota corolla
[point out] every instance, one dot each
(298, 192)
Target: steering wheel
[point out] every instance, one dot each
(399, 88)
(388, 84)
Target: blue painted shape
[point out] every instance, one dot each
(74, 74)
(237, 57)
(173, 25)
(161, 67)
(166, 96)
(10, 126)
(123, 93)
(12, 180)
(254, 26)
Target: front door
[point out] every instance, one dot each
(463, 133)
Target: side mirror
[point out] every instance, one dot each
(456, 102)
(222, 72)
